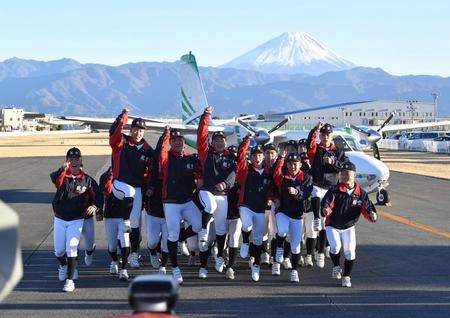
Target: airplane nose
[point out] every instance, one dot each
(262, 137)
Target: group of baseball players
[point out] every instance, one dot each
(260, 202)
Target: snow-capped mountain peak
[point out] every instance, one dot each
(291, 52)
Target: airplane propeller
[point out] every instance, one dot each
(262, 135)
(373, 136)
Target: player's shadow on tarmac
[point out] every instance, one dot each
(26, 196)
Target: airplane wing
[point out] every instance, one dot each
(151, 124)
(389, 128)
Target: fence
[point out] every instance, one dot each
(415, 145)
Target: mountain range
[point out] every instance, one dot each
(67, 87)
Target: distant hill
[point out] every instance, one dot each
(66, 87)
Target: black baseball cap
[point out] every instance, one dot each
(293, 157)
(233, 149)
(73, 152)
(139, 123)
(304, 156)
(175, 133)
(291, 143)
(217, 134)
(327, 128)
(256, 149)
(270, 147)
(303, 141)
(348, 165)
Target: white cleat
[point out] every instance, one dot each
(69, 286)
(219, 264)
(302, 261)
(203, 273)
(255, 273)
(162, 270)
(279, 255)
(287, 263)
(113, 268)
(294, 276)
(154, 260)
(183, 249)
(276, 269)
(176, 272)
(320, 260)
(265, 258)
(244, 250)
(133, 259)
(126, 226)
(88, 258)
(337, 272)
(229, 274)
(251, 260)
(346, 282)
(309, 261)
(123, 275)
(62, 272)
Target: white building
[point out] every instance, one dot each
(11, 118)
(362, 113)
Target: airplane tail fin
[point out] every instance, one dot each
(193, 98)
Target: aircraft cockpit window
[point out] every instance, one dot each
(347, 143)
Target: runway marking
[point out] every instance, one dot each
(423, 227)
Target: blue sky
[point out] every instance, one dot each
(402, 37)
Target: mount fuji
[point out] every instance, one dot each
(290, 53)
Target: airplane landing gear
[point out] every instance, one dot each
(383, 197)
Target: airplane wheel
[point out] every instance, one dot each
(382, 197)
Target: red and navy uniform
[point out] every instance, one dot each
(131, 162)
(111, 204)
(255, 187)
(292, 205)
(74, 194)
(179, 172)
(217, 167)
(154, 205)
(342, 210)
(324, 175)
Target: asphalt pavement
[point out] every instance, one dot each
(402, 267)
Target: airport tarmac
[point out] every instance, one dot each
(402, 267)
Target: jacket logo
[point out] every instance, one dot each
(190, 166)
(143, 158)
(80, 189)
(225, 164)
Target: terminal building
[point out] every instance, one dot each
(369, 113)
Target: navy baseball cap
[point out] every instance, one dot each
(327, 128)
(293, 157)
(217, 134)
(270, 147)
(304, 156)
(73, 152)
(348, 165)
(303, 142)
(291, 143)
(175, 133)
(232, 149)
(256, 149)
(139, 123)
